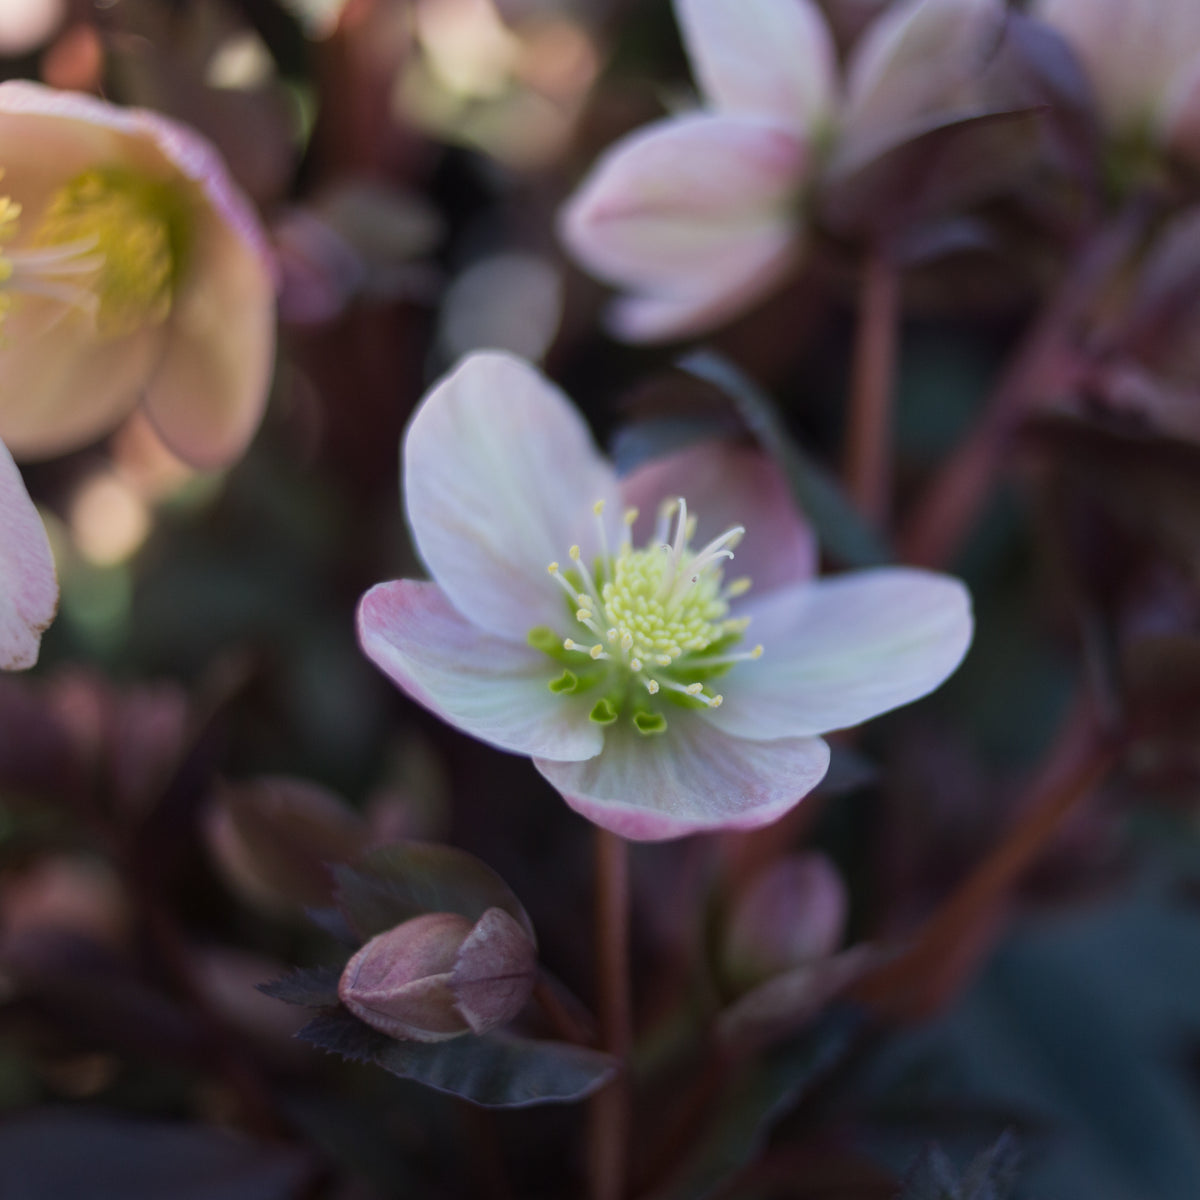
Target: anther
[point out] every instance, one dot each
(597, 651)
(652, 686)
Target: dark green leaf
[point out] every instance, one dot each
(398, 882)
(315, 987)
(497, 1070)
(840, 528)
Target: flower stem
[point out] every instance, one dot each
(946, 513)
(608, 1150)
(867, 467)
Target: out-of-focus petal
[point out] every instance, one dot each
(60, 387)
(726, 485)
(1132, 50)
(772, 58)
(917, 57)
(679, 207)
(28, 587)
(1181, 113)
(690, 779)
(206, 398)
(767, 259)
(501, 474)
(493, 689)
(843, 649)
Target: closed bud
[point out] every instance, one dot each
(792, 914)
(438, 976)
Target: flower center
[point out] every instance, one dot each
(111, 244)
(655, 621)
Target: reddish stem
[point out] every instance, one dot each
(608, 1150)
(868, 456)
(944, 516)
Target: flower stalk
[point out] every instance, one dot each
(608, 1133)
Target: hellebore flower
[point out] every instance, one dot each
(699, 216)
(438, 975)
(1143, 60)
(28, 586)
(588, 622)
(131, 270)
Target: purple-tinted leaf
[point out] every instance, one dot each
(68, 1155)
(496, 1070)
(313, 987)
(407, 879)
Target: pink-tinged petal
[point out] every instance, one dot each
(767, 261)
(726, 485)
(28, 587)
(211, 360)
(60, 387)
(690, 779)
(501, 474)
(207, 396)
(918, 57)
(843, 649)
(1132, 50)
(493, 689)
(688, 203)
(772, 58)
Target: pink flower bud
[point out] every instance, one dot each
(438, 976)
(792, 914)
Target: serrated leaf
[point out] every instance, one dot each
(496, 1070)
(751, 1107)
(839, 527)
(313, 987)
(395, 883)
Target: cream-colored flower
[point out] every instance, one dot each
(132, 271)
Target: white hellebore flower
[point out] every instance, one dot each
(595, 624)
(28, 586)
(1143, 60)
(699, 216)
(132, 270)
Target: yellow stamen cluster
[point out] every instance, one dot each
(657, 617)
(130, 226)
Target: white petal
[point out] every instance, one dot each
(919, 57)
(838, 651)
(28, 587)
(60, 386)
(690, 779)
(493, 689)
(772, 58)
(689, 208)
(501, 474)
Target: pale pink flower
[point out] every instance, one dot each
(28, 585)
(593, 622)
(698, 216)
(1143, 60)
(132, 270)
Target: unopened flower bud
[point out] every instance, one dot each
(438, 976)
(792, 914)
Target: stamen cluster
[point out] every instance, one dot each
(656, 619)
